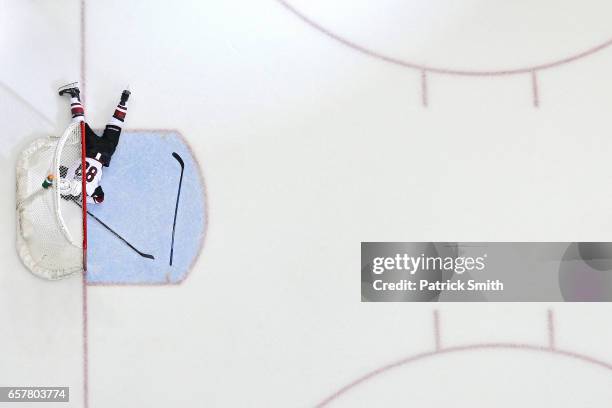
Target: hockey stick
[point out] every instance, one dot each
(148, 256)
(178, 196)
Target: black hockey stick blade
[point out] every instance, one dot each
(148, 256)
(178, 196)
(179, 159)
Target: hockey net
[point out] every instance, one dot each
(52, 227)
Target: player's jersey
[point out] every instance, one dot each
(93, 175)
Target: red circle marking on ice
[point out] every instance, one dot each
(438, 69)
(447, 350)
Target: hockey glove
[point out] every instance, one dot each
(98, 195)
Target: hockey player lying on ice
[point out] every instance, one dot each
(98, 149)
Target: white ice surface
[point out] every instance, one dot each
(307, 148)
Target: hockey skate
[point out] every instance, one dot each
(71, 89)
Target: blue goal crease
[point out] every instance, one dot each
(140, 188)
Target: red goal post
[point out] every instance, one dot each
(84, 193)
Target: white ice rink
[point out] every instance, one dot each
(308, 146)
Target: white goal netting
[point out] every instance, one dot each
(50, 225)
